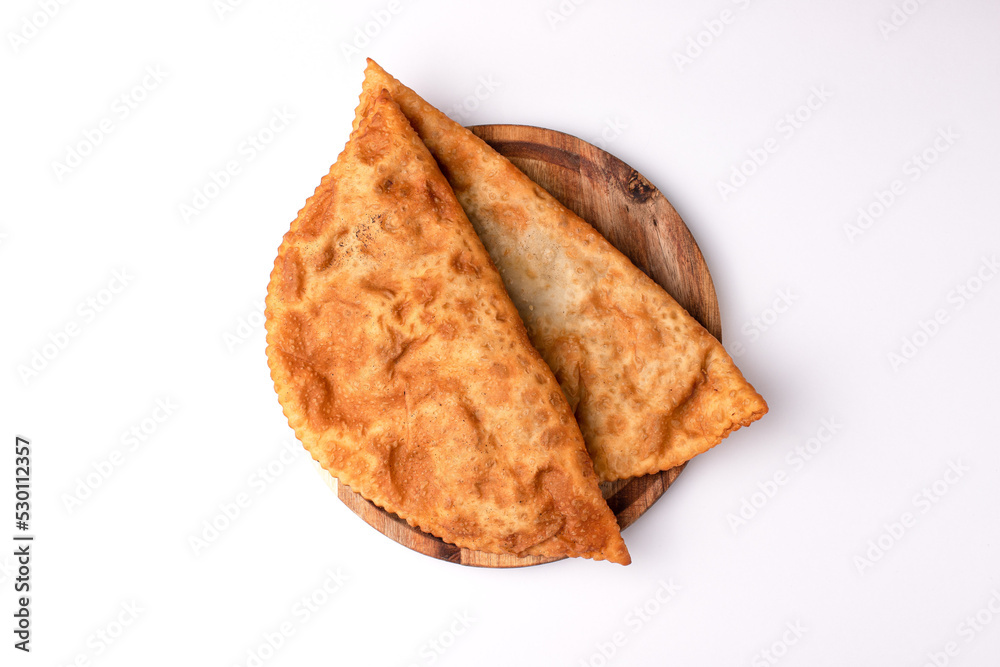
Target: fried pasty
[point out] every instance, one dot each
(650, 387)
(405, 370)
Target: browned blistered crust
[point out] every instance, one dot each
(405, 370)
(650, 387)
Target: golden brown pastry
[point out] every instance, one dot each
(650, 387)
(405, 370)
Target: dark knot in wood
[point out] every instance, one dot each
(639, 188)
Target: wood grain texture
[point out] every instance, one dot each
(638, 220)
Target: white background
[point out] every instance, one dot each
(685, 126)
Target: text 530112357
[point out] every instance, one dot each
(22, 543)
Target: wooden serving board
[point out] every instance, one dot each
(632, 214)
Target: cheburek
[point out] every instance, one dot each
(405, 370)
(650, 387)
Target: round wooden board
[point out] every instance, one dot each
(621, 204)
